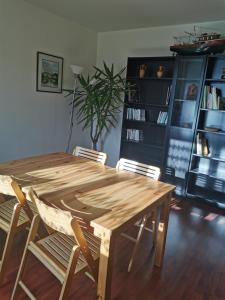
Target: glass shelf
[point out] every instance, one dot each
(215, 80)
(210, 109)
(210, 157)
(211, 174)
(212, 132)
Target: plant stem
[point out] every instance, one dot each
(71, 117)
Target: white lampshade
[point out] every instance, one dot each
(77, 70)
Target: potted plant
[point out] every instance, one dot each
(98, 100)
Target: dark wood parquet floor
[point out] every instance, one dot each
(194, 265)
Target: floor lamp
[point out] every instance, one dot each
(76, 71)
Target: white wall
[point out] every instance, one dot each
(33, 122)
(115, 47)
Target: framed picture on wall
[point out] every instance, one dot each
(49, 73)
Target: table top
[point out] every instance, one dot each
(105, 197)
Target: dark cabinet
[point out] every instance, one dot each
(187, 86)
(146, 109)
(177, 121)
(207, 168)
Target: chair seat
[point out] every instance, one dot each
(6, 211)
(59, 246)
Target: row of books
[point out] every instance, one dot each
(212, 98)
(162, 117)
(135, 135)
(135, 114)
(202, 146)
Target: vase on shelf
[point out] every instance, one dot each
(142, 70)
(161, 71)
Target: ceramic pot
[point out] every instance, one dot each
(160, 72)
(142, 71)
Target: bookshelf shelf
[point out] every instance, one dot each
(205, 196)
(211, 174)
(144, 123)
(211, 132)
(150, 78)
(136, 104)
(142, 143)
(188, 79)
(209, 157)
(215, 80)
(214, 110)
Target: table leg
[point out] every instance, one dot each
(2, 198)
(162, 231)
(105, 266)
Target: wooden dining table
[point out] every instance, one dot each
(121, 199)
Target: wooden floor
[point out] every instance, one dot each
(194, 265)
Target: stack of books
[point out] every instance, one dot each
(135, 114)
(202, 146)
(162, 117)
(135, 135)
(212, 98)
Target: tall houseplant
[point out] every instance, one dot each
(98, 100)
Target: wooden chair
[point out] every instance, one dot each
(90, 154)
(15, 215)
(154, 173)
(67, 250)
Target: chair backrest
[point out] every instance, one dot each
(55, 218)
(90, 154)
(63, 222)
(139, 168)
(10, 187)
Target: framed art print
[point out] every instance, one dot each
(49, 73)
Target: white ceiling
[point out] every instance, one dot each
(107, 15)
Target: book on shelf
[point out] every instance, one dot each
(136, 114)
(202, 146)
(168, 94)
(162, 117)
(212, 129)
(133, 95)
(134, 135)
(205, 147)
(211, 98)
(198, 145)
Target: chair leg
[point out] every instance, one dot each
(140, 232)
(155, 224)
(9, 241)
(70, 273)
(31, 236)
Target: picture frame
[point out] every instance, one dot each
(49, 73)
(191, 91)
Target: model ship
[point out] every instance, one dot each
(199, 43)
